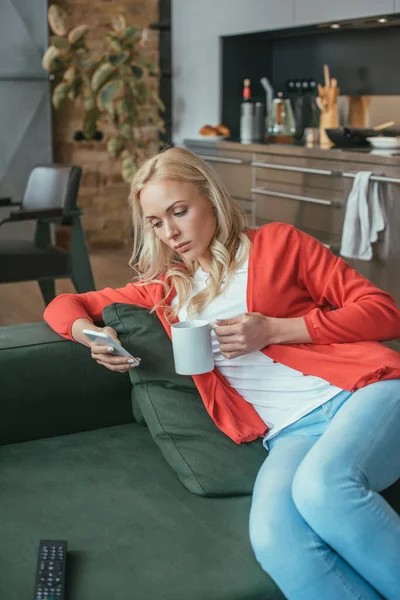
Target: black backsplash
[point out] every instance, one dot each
(365, 62)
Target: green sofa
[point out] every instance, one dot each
(75, 465)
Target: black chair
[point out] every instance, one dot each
(50, 197)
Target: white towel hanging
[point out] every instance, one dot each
(364, 218)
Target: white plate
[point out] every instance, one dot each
(384, 143)
(212, 138)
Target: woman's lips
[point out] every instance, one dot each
(184, 247)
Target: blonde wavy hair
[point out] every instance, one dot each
(155, 262)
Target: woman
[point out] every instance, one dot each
(298, 363)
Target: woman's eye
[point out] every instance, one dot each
(180, 213)
(157, 224)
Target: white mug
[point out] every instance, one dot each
(192, 348)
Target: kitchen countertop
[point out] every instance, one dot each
(364, 155)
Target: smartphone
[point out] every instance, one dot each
(104, 339)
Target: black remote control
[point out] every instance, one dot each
(50, 570)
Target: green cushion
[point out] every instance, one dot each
(206, 461)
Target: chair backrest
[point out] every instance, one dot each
(52, 186)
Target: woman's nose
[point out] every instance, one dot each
(171, 231)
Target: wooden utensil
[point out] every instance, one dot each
(383, 126)
(327, 77)
(329, 117)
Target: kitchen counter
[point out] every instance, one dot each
(362, 155)
(356, 154)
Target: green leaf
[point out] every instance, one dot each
(101, 76)
(50, 58)
(114, 45)
(106, 95)
(60, 93)
(77, 34)
(137, 71)
(123, 107)
(118, 59)
(60, 42)
(127, 110)
(70, 74)
(154, 71)
(119, 23)
(83, 59)
(140, 91)
(58, 20)
(128, 169)
(115, 145)
(126, 130)
(76, 88)
(131, 32)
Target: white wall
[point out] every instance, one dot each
(317, 11)
(196, 27)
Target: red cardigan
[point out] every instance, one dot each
(291, 274)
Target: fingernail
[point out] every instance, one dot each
(131, 360)
(110, 349)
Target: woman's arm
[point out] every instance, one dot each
(362, 311)
(65, 309)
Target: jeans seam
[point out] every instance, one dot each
(365, 455)
(342, 578)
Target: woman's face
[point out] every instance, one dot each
(181, 217)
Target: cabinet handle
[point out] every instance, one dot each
(295, 197)
(233, 161)
(289, 168)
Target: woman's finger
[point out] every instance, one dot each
(232, 346)
(111, 360)
(97, 349)
(118, 368)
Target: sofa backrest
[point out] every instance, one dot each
(51, 386)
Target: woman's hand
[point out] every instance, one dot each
(243, 334)
(101, 354)
(250, 332)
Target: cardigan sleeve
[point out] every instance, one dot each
(362, 312)
(65, 309)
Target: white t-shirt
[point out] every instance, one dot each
(279, 394)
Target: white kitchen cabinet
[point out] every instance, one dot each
(320, 11)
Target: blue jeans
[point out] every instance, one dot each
(318, 525)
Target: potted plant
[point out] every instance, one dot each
(115, 87)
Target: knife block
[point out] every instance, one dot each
(328, 120)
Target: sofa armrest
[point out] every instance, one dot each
(50, 386)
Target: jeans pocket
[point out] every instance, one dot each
(331, 407)
(327, 408)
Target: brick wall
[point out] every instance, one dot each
(103, 193)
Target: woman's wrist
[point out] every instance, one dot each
(78, 326)
(288, 331)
